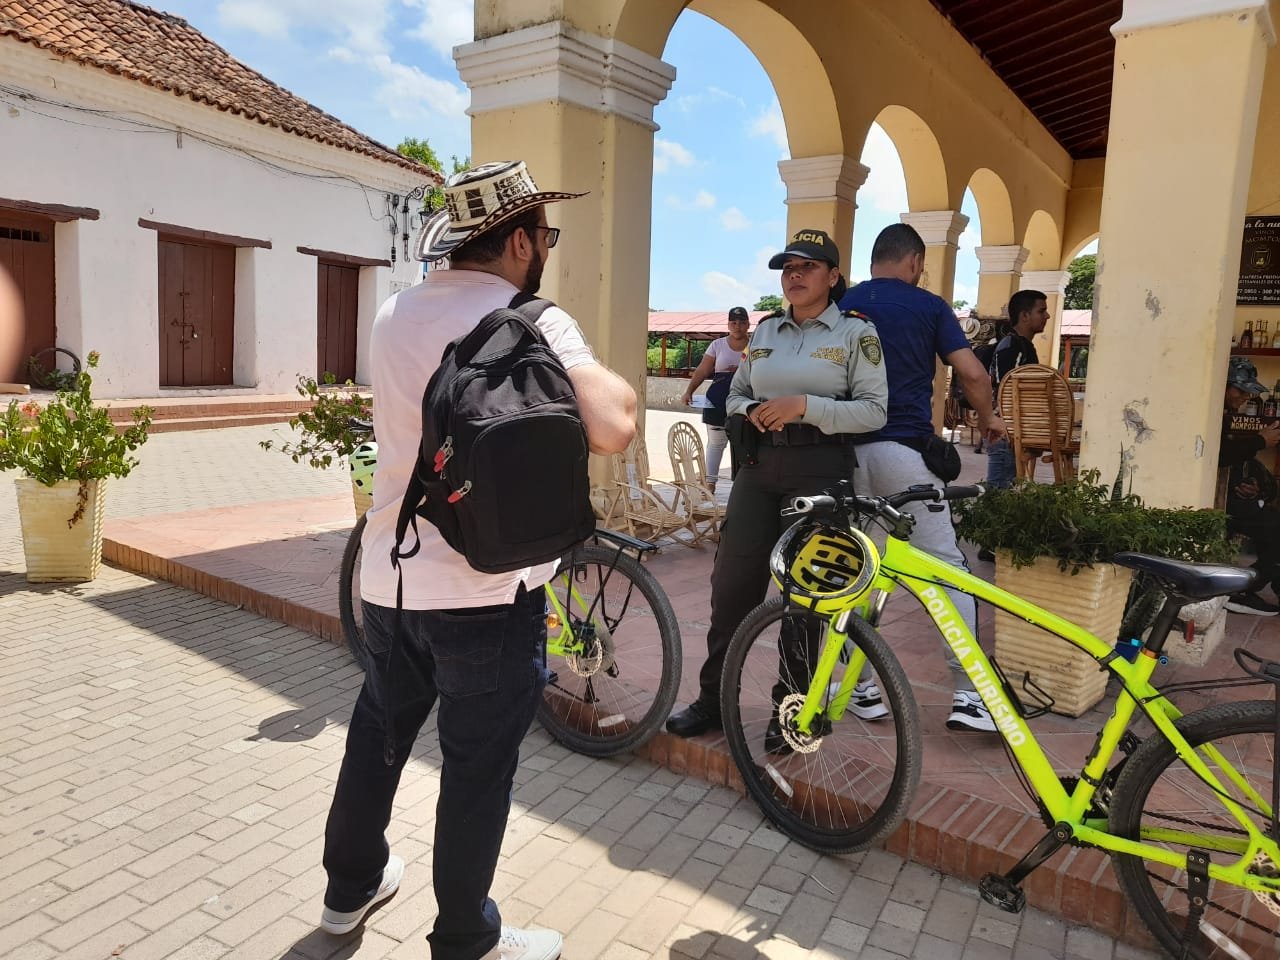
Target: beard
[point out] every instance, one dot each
(533, 279)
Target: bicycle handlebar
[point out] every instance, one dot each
(886, 507)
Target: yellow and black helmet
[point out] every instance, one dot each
(821, 566)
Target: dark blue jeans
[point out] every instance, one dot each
(486, 666)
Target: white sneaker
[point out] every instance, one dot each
(968, 712)
(865, 702)
(531, 944)
(339, 923)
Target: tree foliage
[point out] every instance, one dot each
(422, 151)
(770, 301)
(1079, 295)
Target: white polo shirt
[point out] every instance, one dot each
(409, 336)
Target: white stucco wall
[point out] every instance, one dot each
(291, 191)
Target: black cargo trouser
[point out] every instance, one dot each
(752, 525)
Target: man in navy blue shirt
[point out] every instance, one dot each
(915, 327)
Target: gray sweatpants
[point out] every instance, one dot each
(884, 468)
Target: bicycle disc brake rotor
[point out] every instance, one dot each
(1265, 867)
(597, 646)
(788, 710)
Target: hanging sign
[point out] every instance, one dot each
(1260, 262)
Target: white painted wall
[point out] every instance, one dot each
(134, 163)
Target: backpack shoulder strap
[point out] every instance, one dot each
(529, 306)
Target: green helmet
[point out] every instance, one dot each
(363, 461)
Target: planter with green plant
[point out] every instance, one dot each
(65, 450)
(1053, 545)
(325, 431)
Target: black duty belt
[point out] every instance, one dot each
(801, 435)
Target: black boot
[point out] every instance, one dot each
(698, 717)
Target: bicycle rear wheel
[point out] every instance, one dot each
(1156, 791)
(851, 785)
(348, 587)
(615, 695)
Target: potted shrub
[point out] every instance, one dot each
(66, 449)
(1053, 544)
(326, 430)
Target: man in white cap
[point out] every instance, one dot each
(474, 641)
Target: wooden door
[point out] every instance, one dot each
(338, 299)
(197, 313)
(26, 254)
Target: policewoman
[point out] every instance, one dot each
(810, 379)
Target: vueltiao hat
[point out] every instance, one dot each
(480, 199)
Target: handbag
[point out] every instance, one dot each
(942, 458)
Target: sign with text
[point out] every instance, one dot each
(1260, 262)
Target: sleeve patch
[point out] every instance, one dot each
(870, 347)
(759, 353)
(837, 355)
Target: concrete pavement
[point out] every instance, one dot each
(170, 758)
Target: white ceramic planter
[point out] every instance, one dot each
(56, 553)
(1093, 599)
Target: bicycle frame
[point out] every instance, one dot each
(925, 577)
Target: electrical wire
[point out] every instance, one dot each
(26, 97)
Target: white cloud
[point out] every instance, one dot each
(969, 238)
(360, 30)
(701, 201)
(734, 219)
(254, 17)
(769, 123)
(963, 291)
(668, 154)
(886, 186)
(724, 291)
(445, 24)
(708, 97)
(407, 92)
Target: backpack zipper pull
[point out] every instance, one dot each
(443, 455)
(460, 492)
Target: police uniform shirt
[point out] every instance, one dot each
(834, 360)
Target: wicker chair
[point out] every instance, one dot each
(641, 507)
(689, 464)
(1036, 404)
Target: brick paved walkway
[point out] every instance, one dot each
(169, 760)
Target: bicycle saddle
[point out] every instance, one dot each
(1192, 581)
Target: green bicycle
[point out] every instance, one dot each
(613, 641)
(1188, 814)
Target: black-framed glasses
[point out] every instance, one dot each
(553, 235)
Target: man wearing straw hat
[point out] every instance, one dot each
(474, 641)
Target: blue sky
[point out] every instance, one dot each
(384, 67)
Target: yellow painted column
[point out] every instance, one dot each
(999, 277)
(820, 194)
(1053, 284)
(940, 230)
(578, 109)
(1173, 210)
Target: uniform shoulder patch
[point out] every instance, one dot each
(870, 347)
(759, 353)
(856, 314)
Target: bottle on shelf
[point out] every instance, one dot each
(1269, 408)
(1246, 338)
(1250, 408)
(1275, 341)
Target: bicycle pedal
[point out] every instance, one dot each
(1002, 892)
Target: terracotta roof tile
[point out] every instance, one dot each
(166, 52)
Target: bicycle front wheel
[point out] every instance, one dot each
(348, 594)
(1159, 799)
(849, 784)
(614, 691)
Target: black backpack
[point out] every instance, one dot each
(502, 469)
